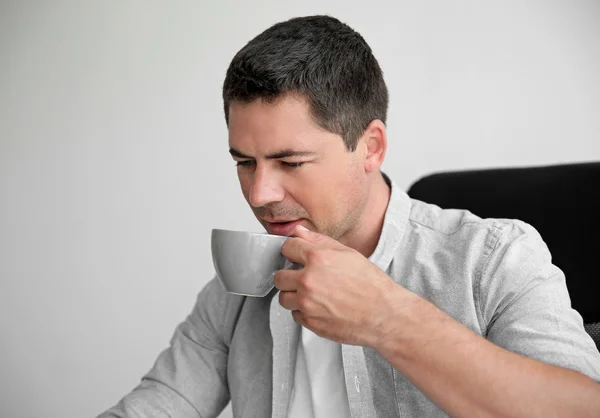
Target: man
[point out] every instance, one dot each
(400, 308)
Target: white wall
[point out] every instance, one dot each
(114, 164)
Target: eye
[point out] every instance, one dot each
(246, 163)
(293, 165)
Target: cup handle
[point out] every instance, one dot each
(288, 265)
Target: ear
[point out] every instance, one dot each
(375, 142)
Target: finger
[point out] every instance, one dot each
(296, 250)
(286, 280)
(299, 317)
(289, 300)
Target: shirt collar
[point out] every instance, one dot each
(394, 225)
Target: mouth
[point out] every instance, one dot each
(284, 228)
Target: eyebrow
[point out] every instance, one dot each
(286, 153)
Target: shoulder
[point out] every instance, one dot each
(461, 224)
(487, 242)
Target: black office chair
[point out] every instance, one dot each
(561, 201)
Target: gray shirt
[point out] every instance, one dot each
(493, 275)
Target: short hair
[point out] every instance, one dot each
(320, 59)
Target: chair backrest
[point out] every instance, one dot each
(561, 201)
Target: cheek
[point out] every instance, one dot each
(350, 190)
(325, 198)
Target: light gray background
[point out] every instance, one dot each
(114, 164)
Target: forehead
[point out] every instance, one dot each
(267, 126)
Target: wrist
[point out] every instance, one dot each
(398, 320)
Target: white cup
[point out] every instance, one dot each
(245, 262)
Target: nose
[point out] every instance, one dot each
(265, 188)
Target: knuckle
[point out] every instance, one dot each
(303, 303)
(314, 255)
(323, 238)
(306, 282)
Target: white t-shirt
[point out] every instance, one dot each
(319, 387)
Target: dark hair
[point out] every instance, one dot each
(321, 59)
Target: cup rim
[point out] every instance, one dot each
(255, 234)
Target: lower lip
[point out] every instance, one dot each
(285, 229)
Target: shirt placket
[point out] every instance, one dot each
(358, 385)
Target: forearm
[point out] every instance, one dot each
(151, 399)
(467, 375)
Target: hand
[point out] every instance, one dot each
(339, 294)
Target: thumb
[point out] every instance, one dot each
(312, 236)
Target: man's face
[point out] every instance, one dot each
(294, 172)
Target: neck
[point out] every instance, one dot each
(365, 236)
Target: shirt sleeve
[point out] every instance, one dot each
(189, 378)
(526, 306)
